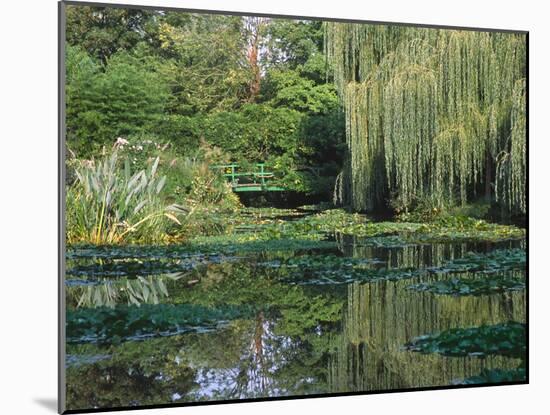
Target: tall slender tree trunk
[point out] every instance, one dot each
(254, 87)
(254, 27)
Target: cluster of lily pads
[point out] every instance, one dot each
(309, 269)
(312, 225)
(496, 267)
(248, 243)
(112, 325)
(136, 267)
(471, 286)
(264, 230)
(321, 262)
(505, 339)
(488, 263)
(123, 268)
(112, 252)
(448, 229)
(333, 269)
(488, 376)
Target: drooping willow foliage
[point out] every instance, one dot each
(430, 113)
(511, 167)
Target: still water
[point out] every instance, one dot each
(301, 322)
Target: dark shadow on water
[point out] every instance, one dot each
(48, 403)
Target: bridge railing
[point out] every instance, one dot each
(260, 178)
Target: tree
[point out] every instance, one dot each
(207, 70)
(103, 31)
(254, 30)
(293, 42)
(123, 100)
(428, 112)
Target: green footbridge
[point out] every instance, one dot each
(258, 180)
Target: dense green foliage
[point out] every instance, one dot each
(254, 88)
(103, 103)
(109, 204)
(430, 114)
(425, 131)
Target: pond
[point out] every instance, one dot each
(265, 318)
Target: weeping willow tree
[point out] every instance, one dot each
(430, 114)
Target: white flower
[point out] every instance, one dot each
(120, 142)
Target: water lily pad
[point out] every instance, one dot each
(339, 276)
(113, 325)
(323, 262)
(135, 267)
(129, 268)
(507, 339)
(471, 286)
(494, 261)
(495, 376)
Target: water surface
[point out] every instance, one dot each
(298, 329)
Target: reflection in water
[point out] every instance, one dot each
(251, 374)
(299, 340)
(380, 318)
(139, 290)
(419, 256)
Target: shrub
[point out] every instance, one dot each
(423, 210)
(427, 210)
(122, 100)
(109, 205)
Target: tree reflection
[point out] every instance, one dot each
(380, 319)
